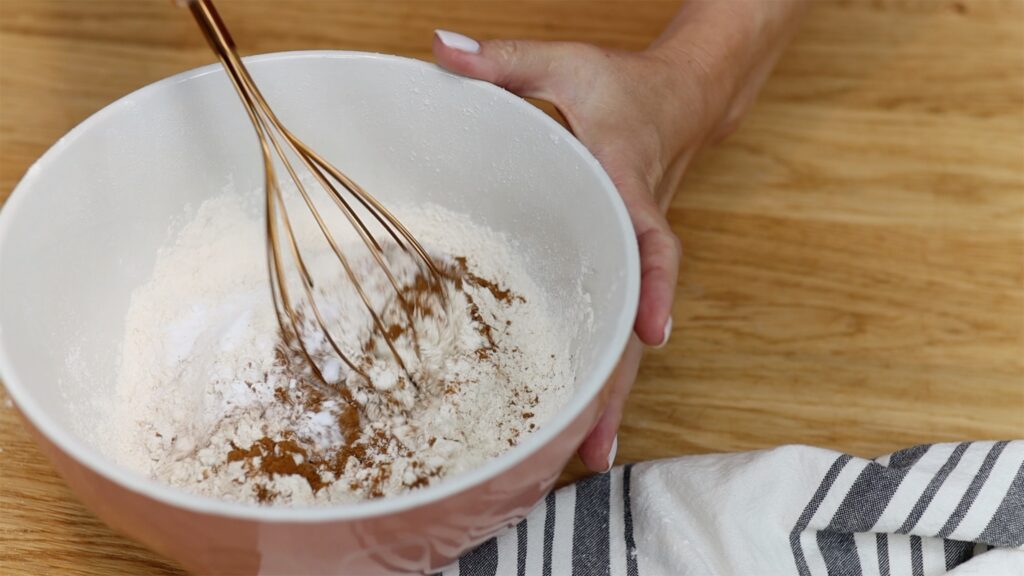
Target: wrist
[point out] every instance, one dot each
(705, 53)
(687, 105)
(716, 45)
(713, 58)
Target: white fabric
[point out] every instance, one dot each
(791, 511)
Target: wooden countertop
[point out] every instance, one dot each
(854, 269)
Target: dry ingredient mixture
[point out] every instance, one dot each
(214, 399)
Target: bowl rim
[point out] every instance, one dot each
(91, 458)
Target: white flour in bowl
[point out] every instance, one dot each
(211, 400)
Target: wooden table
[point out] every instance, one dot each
(854, 269)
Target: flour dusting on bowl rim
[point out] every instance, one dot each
(587, 389)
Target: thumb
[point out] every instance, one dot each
(531, 69)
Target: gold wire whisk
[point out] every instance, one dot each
(274, 138)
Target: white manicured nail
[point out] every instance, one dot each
(668, 332)
(611, 453)
(458, 41)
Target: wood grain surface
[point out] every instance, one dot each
(854, 268)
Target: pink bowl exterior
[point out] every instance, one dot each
(416, 540)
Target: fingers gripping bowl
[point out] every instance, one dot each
(83, 229)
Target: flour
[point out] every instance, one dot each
(213, 400)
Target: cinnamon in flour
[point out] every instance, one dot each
(213, 400)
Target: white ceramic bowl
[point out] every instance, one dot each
(82, 229)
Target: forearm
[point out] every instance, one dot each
(717, 53)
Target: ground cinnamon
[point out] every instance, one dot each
(364, 449)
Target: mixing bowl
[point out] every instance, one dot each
(84, 226)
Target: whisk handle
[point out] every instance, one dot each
(209, 20)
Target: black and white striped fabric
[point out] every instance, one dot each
(795, 510)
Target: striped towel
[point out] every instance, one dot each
(791, 511)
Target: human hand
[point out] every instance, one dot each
(643, 115)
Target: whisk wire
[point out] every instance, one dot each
(269, 130)
(307, 285)
(325, 230)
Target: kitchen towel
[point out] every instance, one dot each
(790, 511)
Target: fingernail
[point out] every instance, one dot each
(611, 453)
(458, 41)
(668, 332)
